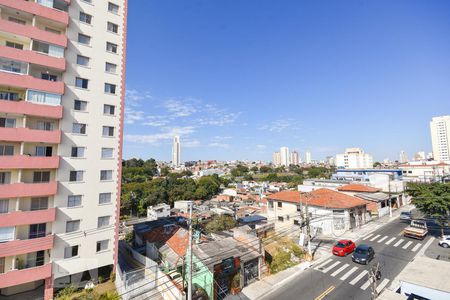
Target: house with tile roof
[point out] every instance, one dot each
(330, 212)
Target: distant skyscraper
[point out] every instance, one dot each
(284, 156)
(354, 158)
(403, 158)
(440, 137)
(176, 151)
(308, 157)
(295, 158)
(276, 158)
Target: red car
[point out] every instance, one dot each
(343, 247)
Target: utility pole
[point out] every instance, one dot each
(190, 252)
(308, 228)
(373, 273)
(390, 202)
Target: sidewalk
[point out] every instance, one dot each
(322, 250)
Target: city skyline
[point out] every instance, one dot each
(196, 86)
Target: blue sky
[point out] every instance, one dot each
(238, 79)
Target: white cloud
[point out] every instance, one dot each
(190, 143)
(132, 115)
(219, 138)
(156, 121)
(181, 108)
(279, 125)
(261, 147)
(134, 97)
(218, 145)
(156, 138)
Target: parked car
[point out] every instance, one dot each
(343, 247)
(445, 241)
(405, 215)
(363, 254)
(417, 230)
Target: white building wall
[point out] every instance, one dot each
(284, 156)
(440, 137)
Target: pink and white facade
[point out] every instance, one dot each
(62, 72)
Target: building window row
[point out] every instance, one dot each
(80, 128)
(78, 176)
(76, 200)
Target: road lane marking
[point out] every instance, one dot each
(381, 286)
(416, 247)
(346, 275)
(399, 242)
(365, 285)
(323, 264)
(324, 293)
(367, 236)
(339, 270)
(358, 278)
(390, 241)
(374, 238)
(407, 245)
(382, 239)
(331, 267)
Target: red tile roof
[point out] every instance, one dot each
(360, 188)
(321, 197)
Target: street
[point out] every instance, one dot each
(340, 278)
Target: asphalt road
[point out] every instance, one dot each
(340, 278)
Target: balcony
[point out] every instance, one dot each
(31, 109)
(38, 10)
(17, 247)
(30, 135)
(16, 218)
(20, 189)
(16, 277)
(33, 33)
(33, 58)
(30, 82)
(29, 162)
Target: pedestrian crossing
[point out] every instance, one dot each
(396, 242)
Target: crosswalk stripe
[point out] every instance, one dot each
(346, 275)
(390, 241)
(399, 242)
(382, 285)
(382, 239)
(339, 270)
(358, 278)
(407, 245)
(331, 267)
(367, 236)
(365, 285)
(375, 237)
(416, 247)
(323, 264)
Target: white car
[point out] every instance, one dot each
(445, 241)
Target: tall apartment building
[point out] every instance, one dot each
(403, 157)
(295, 158)
(62, 69)
(308, 158)
(276, 158)
(284, 156)
(440, 138)
(354, 158)
(176, 151)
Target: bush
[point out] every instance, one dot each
(112, 276)
(66, 293)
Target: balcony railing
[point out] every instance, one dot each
(30, 82)
(31, 109)
(43, 8)
(33, 57)
(15, 162)
(30, 135)
(20, 189)
(16, 218)
(17, 247)
(16, 277)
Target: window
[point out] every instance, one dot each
(5, 177)
(110, 68)
(7, 122)
(73, 200)
(107, 152)
(14, 45)
(102, 245)
(112, 27)
(106, 175)
(81, 82)
(103, 221)
(82, 60)
(41, 176)
(7, 234)
(37, 230)
(77, 152)
(44, 98)
(72, 226)
(79, 128)
(79, 105)
(110, 47)
(52, 30)
(51, 50)
(104, 198)
(71, 251)
(7, 95)
(39, 203)
(84, 39)
(43, 151)
(110, 88)
(4, 206)
(16, 20)
(76, 176)
(108, 109)
(6, 150)
(108, 131)
(49, 77)
(44, 125)
(280, 204)
(114, 8)
(85, 18)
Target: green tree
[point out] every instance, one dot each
(265, 169)
(254, 169)
(165, 171)
(376, 164)
(220, 223)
